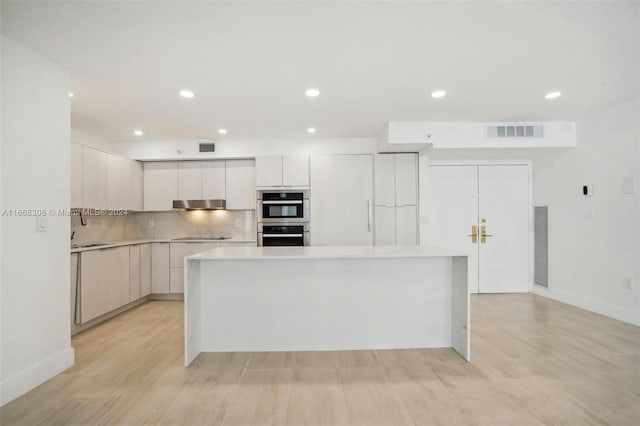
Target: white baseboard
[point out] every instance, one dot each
(599, 307)
(29, 378)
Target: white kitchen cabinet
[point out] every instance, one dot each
(145, 269)
(240, 184)
(134, 272)
(94, 278)
(406, 225)
(385, 229)
(160, 185)
(95, 178)
(178, 252)
(295, 170)
(342, 200)
(214, 180)
(189, 180)
(73, 287)
(118, 185)
(282, 171)
(134, 187)
(104, 281)
(160, 279)
(118, 282)
(385, 181)
(396, 189)
(77, 179)
(269, 171)
(406, 171)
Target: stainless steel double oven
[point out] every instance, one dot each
(283, 218)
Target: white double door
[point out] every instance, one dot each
(490, 201)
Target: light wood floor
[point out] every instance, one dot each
(534, 362)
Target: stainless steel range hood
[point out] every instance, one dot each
(200, 204)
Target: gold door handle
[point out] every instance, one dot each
(484, 235)
(474, 234)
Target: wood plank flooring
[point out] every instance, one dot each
(534, 362)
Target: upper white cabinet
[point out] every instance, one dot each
(100, 180)
(95, 178)
(214, 180)
(118, 179)
(189, 180)
(396, 179)
(282, 171)
(342, 200)
(76, 176)
(241, 184)
(160, 185)
(135, 186)
(396, 196)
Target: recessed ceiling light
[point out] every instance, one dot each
(187, 94)
(438, 94)
(311, 129)
(222, 131)
(71, 95)
(138, 132)
(312, 93)
(553, 95)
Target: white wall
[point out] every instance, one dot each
(163, 150)
(594, 243)
(35, 341)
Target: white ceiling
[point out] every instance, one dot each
(250, 63)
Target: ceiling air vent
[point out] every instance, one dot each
(207, 147)
(515, 131)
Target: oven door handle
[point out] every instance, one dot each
(282, 202)
(282, 235)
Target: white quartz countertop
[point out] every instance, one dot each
(229, 241)
(323, 252)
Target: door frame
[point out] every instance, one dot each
(507, 162)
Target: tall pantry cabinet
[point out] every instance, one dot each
(396, 199)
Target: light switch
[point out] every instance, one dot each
(41, 224)
(629, 186)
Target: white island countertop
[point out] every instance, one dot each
(323, 252)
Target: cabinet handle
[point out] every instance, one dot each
(369, 215)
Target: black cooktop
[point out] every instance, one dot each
(202, 238)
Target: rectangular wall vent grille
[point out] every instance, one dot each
(207, 147)
(515, 131)
(541, 246)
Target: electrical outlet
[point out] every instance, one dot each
(238, 223)
(151, 223)
(628, 283)
(102, 224)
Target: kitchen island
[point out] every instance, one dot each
(325, 298)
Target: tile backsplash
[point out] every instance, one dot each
(237, 224)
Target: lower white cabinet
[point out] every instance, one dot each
(104, 281)
(134, 272)
(406, 225)
(178, 253)
(118, 287)
(74, 286)
(160, 277)
(145, 269)
(396, 225)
